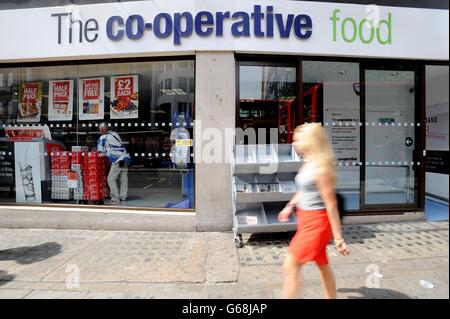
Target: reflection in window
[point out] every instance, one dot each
(266, 101)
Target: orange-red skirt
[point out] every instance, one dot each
(312, 237)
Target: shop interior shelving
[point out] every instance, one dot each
(286, 117)
(312, 104)
(262, 183)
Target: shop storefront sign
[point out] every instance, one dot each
(259, 22)
(189, 26)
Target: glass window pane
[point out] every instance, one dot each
(147, 114)
(267, 101)
(390, 137)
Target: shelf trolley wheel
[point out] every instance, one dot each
(238, 241)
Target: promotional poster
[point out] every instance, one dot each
(91, 98)
(60, 100)
(124, 97)
(30, 102)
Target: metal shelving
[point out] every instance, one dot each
(262, 183)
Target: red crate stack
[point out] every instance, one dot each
(77, 158)
(61, 162)
(102, 176)
(94, 176)
(77, 166)
(60, 167)
(104, 172)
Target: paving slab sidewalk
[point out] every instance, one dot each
(389, 260)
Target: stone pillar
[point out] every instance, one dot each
(215, 108)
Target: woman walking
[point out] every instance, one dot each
(317, 211)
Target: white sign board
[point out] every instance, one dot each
(437, 127)
(60, 100)
(124, 97)
(343, 132)
(162, 27)
(91, 99)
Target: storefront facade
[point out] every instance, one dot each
(172, 79)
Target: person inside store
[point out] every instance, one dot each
(317, 212)
(110, 144)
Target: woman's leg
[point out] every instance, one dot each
(291, 285)
(328, 281)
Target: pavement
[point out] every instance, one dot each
(388, 260)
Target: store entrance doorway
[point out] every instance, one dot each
(390, 155)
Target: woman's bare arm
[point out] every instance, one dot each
(326, 187)
(294, 200)
(285, 214)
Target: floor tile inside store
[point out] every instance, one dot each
(436, 210)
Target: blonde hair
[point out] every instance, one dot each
(320, 152)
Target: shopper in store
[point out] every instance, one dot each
(317, 211)
(111, 145)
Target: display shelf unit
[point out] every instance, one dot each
(254, 159)
(262, 183)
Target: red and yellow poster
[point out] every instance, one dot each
(124, 97)
(91, 99)
(60, 100)
(30, 102)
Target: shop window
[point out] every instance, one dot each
(370, 121)
(182, 83)
(267, 96)
(50, 119)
